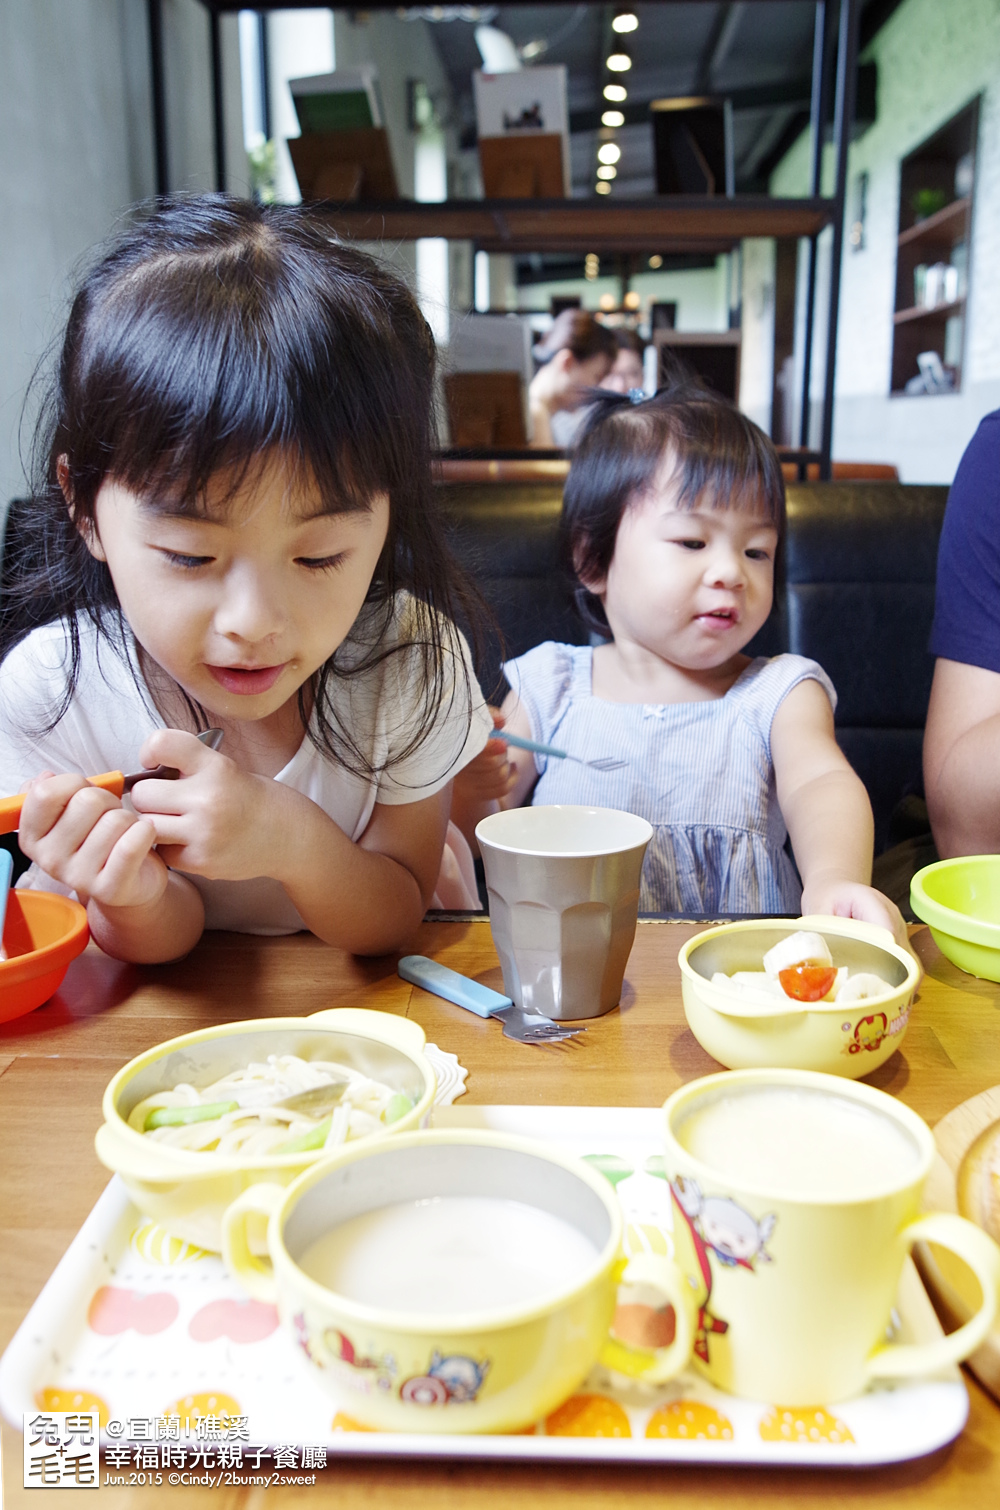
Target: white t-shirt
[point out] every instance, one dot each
(110, 717)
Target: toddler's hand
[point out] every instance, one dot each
(82, 836)
(491, 775)
(850, 899)
(218, 820)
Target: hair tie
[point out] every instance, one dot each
(636, 396)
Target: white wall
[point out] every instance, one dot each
(299, 43)
(933, 57)
(75, 122)
(757, 330)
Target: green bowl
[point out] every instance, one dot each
(960, 901)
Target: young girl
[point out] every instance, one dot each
(232, 528)
(673, 514)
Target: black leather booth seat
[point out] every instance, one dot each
(857, 596)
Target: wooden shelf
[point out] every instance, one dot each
(933, 168)
(653, 224)
(929, 312)
(942, 229)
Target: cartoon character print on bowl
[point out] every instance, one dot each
(720, 1229)
(73, 1399)
(689, 1421)
(113, 1310)
(803, 1423)
(451, 1380)
(332, 1348)
(239, 1320)
(588, 1416)
(869, 1034)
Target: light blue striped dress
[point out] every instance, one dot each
(700, 773)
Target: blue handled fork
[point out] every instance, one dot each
(603, 763)
(526, 1027)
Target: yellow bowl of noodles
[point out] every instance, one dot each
(194, 1122)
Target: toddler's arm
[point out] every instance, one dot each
(82, 836)
(499, 777)
(827, 812)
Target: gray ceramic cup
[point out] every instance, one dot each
(564, 897)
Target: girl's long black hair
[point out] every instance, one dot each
(211, 334)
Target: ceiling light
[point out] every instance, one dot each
(625, 19)
(609, 153)
(615, 92)
(612, 118)
(591, 266)
(603, 188)
(607, 171)
(632, 299)
(656, 260)
(618, 60)
(607, 301)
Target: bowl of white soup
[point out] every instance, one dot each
(455, 1281)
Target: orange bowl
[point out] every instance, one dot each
(42, 933)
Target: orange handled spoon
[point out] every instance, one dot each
(115, 782)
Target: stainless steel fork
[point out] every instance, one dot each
(525, 1027)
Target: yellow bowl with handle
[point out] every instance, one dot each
(850, 1038)
(467, 1319)
(187, 1192)
(960, 902)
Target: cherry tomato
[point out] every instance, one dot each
(807, 982)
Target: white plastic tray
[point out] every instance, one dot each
(149, 1326)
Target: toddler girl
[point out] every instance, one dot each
(232, 528)
(672, 519)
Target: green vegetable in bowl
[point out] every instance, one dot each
(398, 1107)
(180, 1116)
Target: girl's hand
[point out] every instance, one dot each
(217, 821)
(491, 775)
(82, 836)
(850, 899)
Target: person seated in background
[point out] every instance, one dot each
(962, 737)
(576, 356)
(626, 374)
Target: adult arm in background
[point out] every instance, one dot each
(962, 737)
(962, 759)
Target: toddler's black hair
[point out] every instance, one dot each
(718, 454)
(210, 335)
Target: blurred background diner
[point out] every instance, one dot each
(576, 355)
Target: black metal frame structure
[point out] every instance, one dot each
(844, 12)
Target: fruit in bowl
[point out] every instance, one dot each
(824, 993)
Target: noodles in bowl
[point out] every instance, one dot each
(284, 1105)
(192, 1123)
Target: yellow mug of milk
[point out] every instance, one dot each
(796, 1198)
(464, 1281)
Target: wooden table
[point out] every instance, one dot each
(55, 1063)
